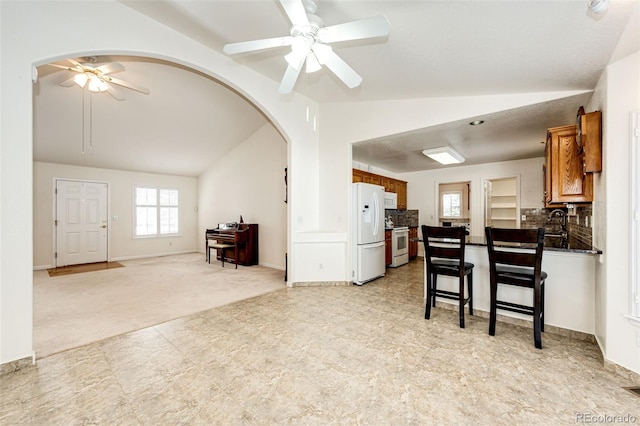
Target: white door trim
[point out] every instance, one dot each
(54, 199)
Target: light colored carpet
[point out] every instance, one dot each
(73, 310)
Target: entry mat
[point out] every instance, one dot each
(87, 267)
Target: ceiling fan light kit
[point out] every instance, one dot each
(96, 84)
(97, 79)
(309, 40)
(444, 155)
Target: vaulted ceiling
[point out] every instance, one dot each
(435, 49)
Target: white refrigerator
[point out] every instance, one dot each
(368, 233)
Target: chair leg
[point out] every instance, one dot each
(461, 300)
(537, 318)
(492, 309)
(435, 288)
(427, 309)
(542, 307)
(470, 288)
(222, 253)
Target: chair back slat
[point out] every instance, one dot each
(444, 242)
(517, 247)
(514, 258)
(444, 252)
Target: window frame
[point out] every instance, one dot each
(442, 204)
(158, 206)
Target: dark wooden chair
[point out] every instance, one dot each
(515, 258)
(444, 249)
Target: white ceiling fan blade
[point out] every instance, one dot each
(341, 69)
(126, 84)
(68, 82)
(295, 11)
(249, 46)
(376, 26)
(115, 93)
(77, 64)
(68, 68)
(289, 79)
(110, 68)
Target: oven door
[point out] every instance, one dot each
(400, 242)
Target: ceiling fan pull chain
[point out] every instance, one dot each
(83, 95)
(90, 120)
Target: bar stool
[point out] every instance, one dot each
(518, 264)
(444, 253)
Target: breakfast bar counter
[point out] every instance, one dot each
(570, 286)
(573, 246)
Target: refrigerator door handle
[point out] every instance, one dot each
(372, 246)
(376, 210)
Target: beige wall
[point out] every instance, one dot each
(122, 245)
(249, 181)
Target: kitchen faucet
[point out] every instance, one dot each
(563, 216)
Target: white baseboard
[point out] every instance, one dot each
(269, 265)
(118, 259)
(42, 267)
(145, 256)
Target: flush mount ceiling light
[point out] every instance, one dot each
(476, 122)
(598, 6)
(444, 155)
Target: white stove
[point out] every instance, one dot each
(399, 246)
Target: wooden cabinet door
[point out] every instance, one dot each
(387, 248)
(401, 190)
(413, 243)
(356, 176)
(566, 183)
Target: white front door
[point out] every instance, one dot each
(81, 222)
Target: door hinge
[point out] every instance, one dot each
(56, 255)
(637, 131)
(55, 222)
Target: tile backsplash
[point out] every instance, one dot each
(579, 225)
(403, 217)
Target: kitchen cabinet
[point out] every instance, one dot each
(564, 180)
(387, 248)
(591, 141)
(390, 184)
(413, 242)
(401, 190)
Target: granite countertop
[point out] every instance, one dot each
(574, 247)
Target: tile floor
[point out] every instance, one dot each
(321, 355)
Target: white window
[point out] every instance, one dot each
(156, 212)
(452, 204)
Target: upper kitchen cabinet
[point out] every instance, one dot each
(564, 179)
(390, 185)
(589, 140)
(401, 190)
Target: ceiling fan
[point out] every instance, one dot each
(309, 40)
(98, 79)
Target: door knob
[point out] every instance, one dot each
(104, 226)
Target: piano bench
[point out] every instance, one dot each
(223, 249)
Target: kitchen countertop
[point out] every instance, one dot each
(572, 248)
